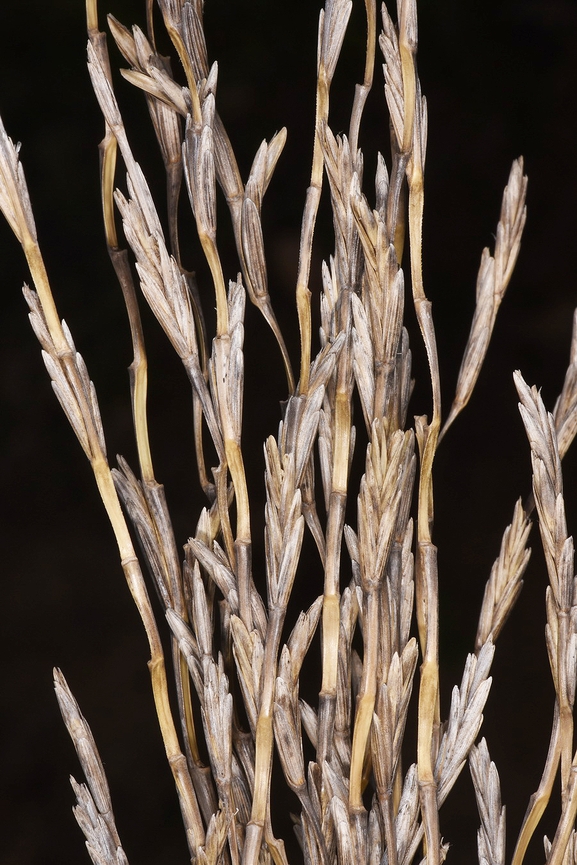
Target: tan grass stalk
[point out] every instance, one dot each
(78, 399)
(333, 22)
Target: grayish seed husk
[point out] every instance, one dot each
(491, 835)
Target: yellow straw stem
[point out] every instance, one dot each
(303, 295)
(108, 152)
(365, 703)
(567, 821)
(264, 741)
(540, 799)
(42, 286)
(213, 259)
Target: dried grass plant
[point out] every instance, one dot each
(231, 652)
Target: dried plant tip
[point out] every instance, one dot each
(565, 412)
(465, 719)
(510, 227)
(491, 835)
(506, 579)
(332, 27)
(389, 44)
(94, 809)
(100, 843)
(124, 40)
(103, 89)
(14, 198)
(200, 171)
(84, 744)
(492, 281)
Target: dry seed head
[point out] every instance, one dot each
(284, 526)
(363, 359)
(220, 573)
(94, 809)
(157, 83)
(333, 22)
(84, 743)
(375, 843)
(540, 431)
(227, 367)
(548, 492)
(465, 719)
(310, 722)
(565, 412)
(130, 492)
(416, 161)
(203, 625)
(389, 44)
(323, 365)
(163, 284)
(171, 11)
(217, 712)
(14, 198)
(124, 40)
(366, 221)
(208, 85)
(510, 227)
(253, 248)
(189, 649)
(298, 429)
(200, 170)
(216, 835)
(347, 851)
(263, 166)
(337, 784)
(101, 846)
(506, 579)
(381, 186)
(274, 150)
(481, 327)
(145, 53)
(491, 835)
(103, 89)
(255, 182)
(492, 280)
(301, 636)
(38, 321)
(406, 823)
(193, 37)
(386, 491)
(80, 405)
(329, 299)
(249, 656)
(287, 730)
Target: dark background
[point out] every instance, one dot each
(500, 81)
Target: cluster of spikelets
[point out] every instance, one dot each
(236, 682)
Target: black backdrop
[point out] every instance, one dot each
(500, 81)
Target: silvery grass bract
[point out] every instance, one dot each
(234, 674)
